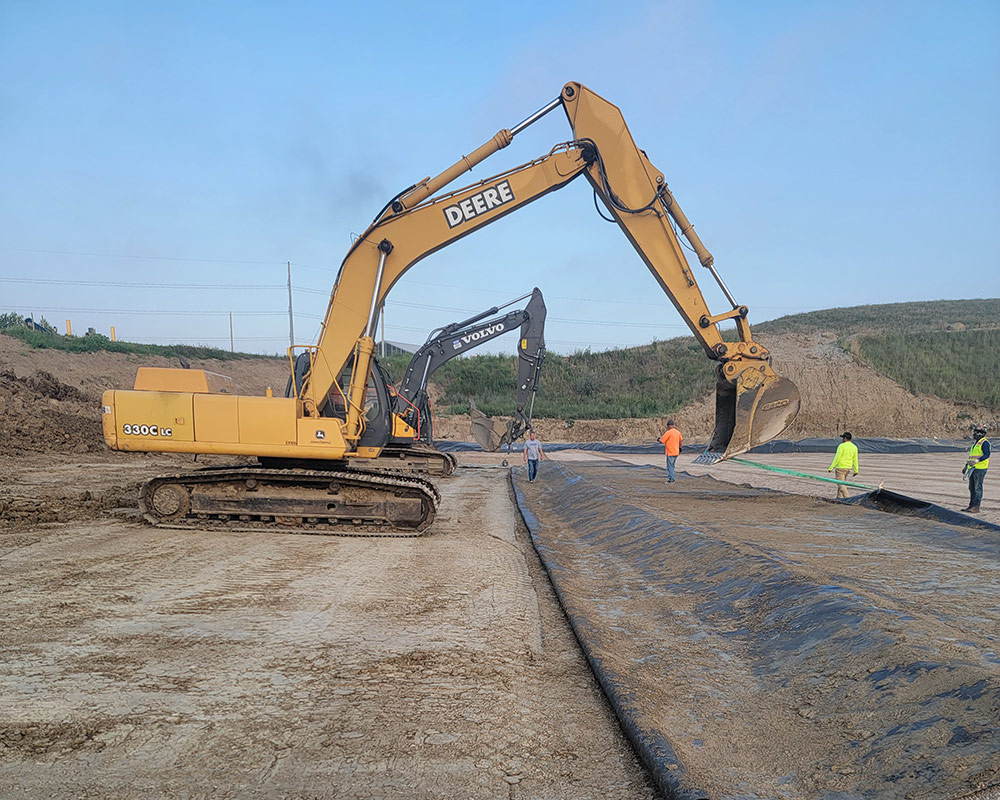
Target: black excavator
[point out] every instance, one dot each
(443, 344)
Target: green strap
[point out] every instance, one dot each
(801, 474)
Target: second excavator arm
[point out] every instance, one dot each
(753, 404)
(453, 340)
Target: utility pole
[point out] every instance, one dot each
(291, 324)
(232, 345)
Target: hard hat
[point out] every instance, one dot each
(979, 431)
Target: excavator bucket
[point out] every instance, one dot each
(488, 432)
(749, 411)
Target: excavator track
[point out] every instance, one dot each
(417, 457)
(339, 503)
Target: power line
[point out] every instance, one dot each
(169, 313)
(156, 339)
(326, 292)
(601, 300)
(578, 344)
(144, 285)
(143, 312)
(142, 257)
(614, 324)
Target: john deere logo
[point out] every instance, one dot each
(479, 203)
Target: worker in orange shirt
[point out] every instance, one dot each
(671, 441)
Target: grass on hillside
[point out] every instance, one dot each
(955, 365)
(929, 315)
(653, 380)
(94, 342)
(920, 345)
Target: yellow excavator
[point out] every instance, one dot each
(308, 446)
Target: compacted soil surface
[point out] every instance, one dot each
(149, 663)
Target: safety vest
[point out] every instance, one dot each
(975, 452)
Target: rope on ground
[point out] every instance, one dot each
(806, 475)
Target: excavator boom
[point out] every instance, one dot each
(753, 404)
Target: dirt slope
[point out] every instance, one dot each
(838, 393)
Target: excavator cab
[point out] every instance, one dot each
(378, 399)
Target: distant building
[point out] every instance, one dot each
(387, 348)
(30, 323)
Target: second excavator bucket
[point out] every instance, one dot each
(749, 411)
(492, 434)
(488, 432)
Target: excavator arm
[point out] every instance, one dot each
(452, 340)
(530, 354)
(753, 404)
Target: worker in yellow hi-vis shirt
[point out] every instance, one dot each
(976, 466)
(845, 459)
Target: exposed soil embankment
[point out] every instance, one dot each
(40, 412)
(839, 393)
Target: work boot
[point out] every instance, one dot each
(973, 509)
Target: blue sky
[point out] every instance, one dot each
(828, 153)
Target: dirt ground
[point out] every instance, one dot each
(147, 663)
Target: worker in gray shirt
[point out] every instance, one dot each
(532, 455)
